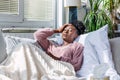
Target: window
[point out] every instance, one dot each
(39, 10)
(11, 10)
(40, 13)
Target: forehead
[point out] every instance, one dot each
(70, 27)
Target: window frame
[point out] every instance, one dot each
(14, 18)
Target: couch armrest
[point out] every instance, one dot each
(115, 48)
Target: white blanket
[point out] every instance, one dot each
(28, 62)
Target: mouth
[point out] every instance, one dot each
(64, 35)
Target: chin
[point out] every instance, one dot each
(64, 39)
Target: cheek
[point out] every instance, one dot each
(73, 35)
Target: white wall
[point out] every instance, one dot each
(60, 13)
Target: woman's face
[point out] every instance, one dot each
(69, 33)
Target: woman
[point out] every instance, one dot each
(69, 51)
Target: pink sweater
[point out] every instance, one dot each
(71, 53)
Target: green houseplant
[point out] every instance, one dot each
(96, 17)
(111, 6)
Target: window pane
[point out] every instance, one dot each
(39, 10)
(9, 6)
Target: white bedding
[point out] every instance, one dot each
(27, 62)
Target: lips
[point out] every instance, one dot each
(64, 35)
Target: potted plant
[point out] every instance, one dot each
(96, 17)
(111, 6)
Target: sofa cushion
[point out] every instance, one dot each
(115, 48)
(97, 51)
(13, 41)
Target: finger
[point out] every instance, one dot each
(65, 25)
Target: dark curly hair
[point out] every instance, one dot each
(79, 26)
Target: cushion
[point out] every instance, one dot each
(81, 38)
(97, 51)
(115, 48)
(3, 53)
(12, 41)
(95, 44)
(99, 40)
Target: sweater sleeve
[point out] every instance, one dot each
(76, 59)
(41, 36)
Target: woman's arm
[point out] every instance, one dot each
(41, 36)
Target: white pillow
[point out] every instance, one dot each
(12, 41)
(3, 53)
(91, 50)
(81, 38)
(97, 51)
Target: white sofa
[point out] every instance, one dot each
(114, 45)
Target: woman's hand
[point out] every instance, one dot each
(60, 29)
(54, 57)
